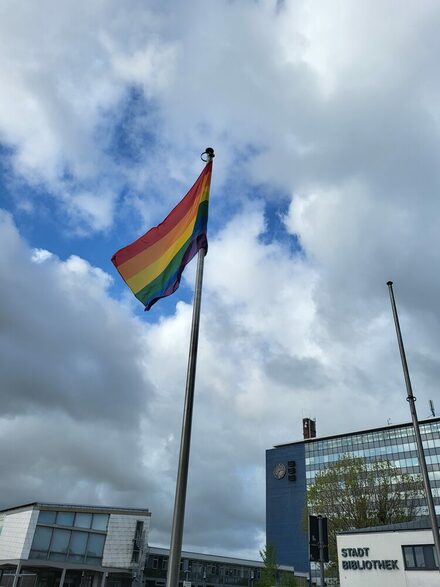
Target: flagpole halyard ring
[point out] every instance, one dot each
(209, 152)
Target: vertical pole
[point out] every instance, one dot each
(321, 551)
(63, 577)
(185, 439)
(412, 405)
(17, 575)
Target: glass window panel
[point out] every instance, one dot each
(83, 520)
(100, 521)
(420, 559)
(39, 554)
(409, 557)
(78, 544)
(95, 545)
(60, 541)
(65, 518)
(47, 517)
(42, 538)
(57, 556)
(94, 560)
(428, 552)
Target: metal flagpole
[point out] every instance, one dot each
(412, 404)
(321, 551)
(185, 439)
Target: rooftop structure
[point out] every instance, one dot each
(48, 545)
(293, 466)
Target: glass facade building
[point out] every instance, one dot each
(394, 443)
(63, 545)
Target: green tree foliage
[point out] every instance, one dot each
(352, 493)
(270, 574)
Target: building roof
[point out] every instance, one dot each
(213, 558)
(356, 432)
(78, 508)
(423, 523)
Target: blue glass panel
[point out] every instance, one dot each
(65, 518)
(60, 541)
(100, 521)
(95, 546)
(83, 520)
(47, 517)
(78, 543)
(42, 538)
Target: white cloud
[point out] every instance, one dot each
(337, 108)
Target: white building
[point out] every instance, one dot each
(59, 545)
(399, 555)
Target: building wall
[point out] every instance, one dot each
(118, 547)
(285, 508)
(384, 546)
(286, 502)
(394, 444)
(17, 534)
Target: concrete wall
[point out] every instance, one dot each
(118, 547)
(17, 534)
(384, 546)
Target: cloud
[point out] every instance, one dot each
(334, 112)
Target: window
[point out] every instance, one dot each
(46, 517)
(59, 545)
(65, 518)
(420, 557)
(100, 522)
(95, 548)
(77, 547)
(41, 542)
(83, 520)
(137, 541)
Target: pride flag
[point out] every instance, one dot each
(152, 265)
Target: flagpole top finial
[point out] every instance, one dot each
(389, 283)
(209, 154)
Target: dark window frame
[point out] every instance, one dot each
(415, 567)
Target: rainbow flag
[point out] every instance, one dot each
(152, 265)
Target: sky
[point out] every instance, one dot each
(325, 120)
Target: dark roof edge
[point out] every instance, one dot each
(387, 427)
(78, 507)
(411, 526)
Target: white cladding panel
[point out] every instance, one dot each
(384, 546)
(118, 547)
(17, 534)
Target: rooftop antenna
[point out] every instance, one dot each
(431, 407)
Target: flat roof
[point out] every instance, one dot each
(219, 559)
(67, 507)
(356, 432)
(423, 523)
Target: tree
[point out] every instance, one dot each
(270, 574)
(352, 493)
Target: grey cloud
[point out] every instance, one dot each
(62, 347)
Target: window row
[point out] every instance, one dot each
(72, 545)
(374, 440)
(420, 557)
(74, 519)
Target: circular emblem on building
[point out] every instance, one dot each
(279, 471)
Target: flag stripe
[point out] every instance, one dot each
(139, 262)
(152, 265)
(173, 218)
(157, 288)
